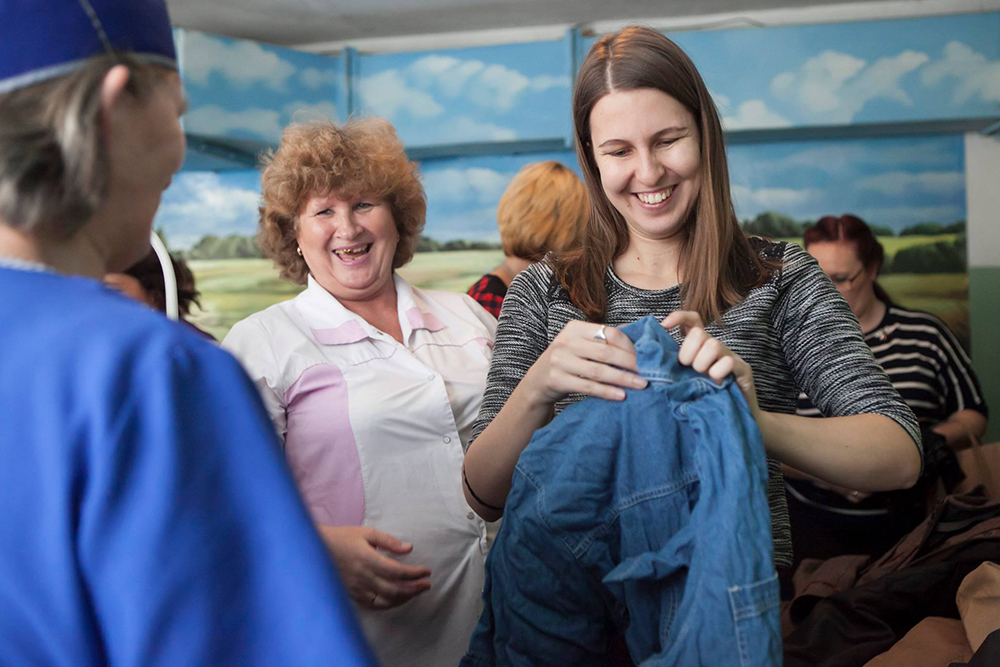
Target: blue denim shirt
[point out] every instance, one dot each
(647, 516)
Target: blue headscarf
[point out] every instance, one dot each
(42, 39)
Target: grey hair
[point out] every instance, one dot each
(54, 166)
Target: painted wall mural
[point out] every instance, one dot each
(244, 91)
(911, 189)
(851, 73)
(933, 71)
(489, 94)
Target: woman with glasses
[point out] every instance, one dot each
(931, 371)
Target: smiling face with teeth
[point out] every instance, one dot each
(348, 245)
(648, 151)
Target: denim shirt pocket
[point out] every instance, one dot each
(755, 615)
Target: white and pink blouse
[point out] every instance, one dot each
(375, 431)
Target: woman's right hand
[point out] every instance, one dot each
(578, 362)
(374, 580)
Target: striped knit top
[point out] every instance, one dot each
(925, 363)
(928, 367)
(794, 331)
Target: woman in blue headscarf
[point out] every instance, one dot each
(147, 516)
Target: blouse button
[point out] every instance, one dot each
(446, 439)
(430, 377)
(470, 516)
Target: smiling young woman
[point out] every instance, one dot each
(662, 238)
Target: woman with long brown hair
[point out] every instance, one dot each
(663, 239)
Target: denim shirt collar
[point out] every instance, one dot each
(656, 353)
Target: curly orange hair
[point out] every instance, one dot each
(359, 157)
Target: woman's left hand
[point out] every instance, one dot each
(710, 356)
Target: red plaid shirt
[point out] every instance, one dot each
(489, 291)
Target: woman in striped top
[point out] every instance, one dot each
(924, 362)
(663, 238)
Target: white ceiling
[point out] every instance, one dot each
(325, 25)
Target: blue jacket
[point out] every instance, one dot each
(648, 516)
(148, 516)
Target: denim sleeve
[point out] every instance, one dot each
(520, 339)
(825, 350)
(540, 607)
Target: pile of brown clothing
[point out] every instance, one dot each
(848, 610)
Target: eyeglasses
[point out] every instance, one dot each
(841, 279)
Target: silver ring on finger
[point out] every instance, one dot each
(374, 598)
(600, 336)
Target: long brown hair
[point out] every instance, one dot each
(717, 265)
(851, 229)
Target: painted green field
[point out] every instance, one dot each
(233, 289)
(894, 244)
(944, 294)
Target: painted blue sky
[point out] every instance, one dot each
(891, 182)
(848, 73)
(832, 74)
(894, 182)
(462, 193)
(245, 90)
(498, 93)
(198, 203)
(880, 71)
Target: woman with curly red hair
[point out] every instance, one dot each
(373, 385)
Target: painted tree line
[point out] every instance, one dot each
(945, 256)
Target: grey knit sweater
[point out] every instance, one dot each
(795, 331)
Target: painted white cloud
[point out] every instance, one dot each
(544, 82)
(900, 182)
(216, 121)
(387, 93)
(475, 184)
(300, 111)
(778, 199)
(495, 86)
(479, 224)
(818, 82)
(849, 158)
(242, 63)
(463, 129)
(977, 76)
(722, 103)
(315, 78)
(754, 114)
(200, 203)
(832, 87)
(899, 216)
(846, 157)
(446, 73)
(498, 87)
